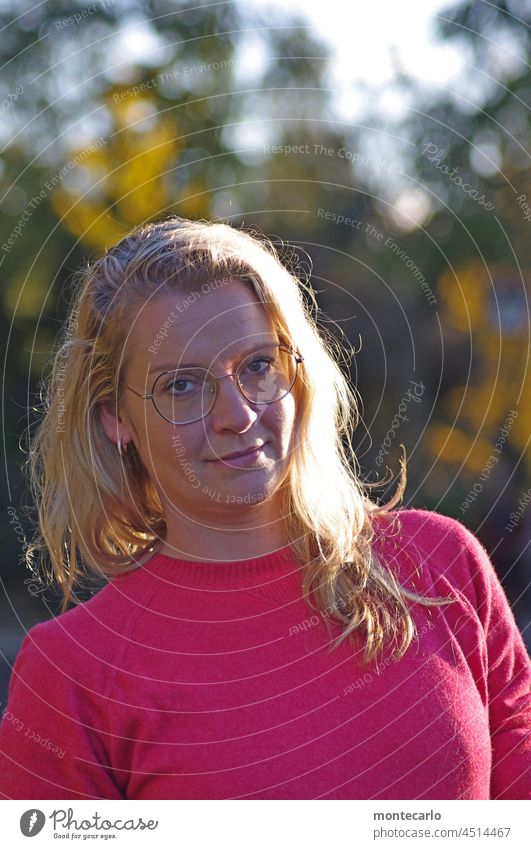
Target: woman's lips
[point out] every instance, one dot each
(241, 458)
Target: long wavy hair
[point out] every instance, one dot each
(90, 518)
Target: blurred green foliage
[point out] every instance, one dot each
(141, 109)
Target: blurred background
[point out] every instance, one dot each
(387, 144)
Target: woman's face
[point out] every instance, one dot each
(213, 328)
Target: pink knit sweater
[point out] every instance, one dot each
(187, 680)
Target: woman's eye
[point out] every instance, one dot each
(182, 385)
(260, 365)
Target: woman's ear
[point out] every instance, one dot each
(112, 423)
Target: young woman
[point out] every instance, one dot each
(265, 631)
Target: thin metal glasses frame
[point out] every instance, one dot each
(150, 396)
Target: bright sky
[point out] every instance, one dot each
(369, 43)
(369, 40)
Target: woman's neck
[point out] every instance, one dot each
(220, 545)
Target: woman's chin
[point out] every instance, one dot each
(243, 490)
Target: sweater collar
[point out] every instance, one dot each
(251, 572)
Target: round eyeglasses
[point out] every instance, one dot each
(186, 395)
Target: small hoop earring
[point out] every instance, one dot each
(122, 449)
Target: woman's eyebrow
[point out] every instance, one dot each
(242, 354)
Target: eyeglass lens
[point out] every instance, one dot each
(186, 395)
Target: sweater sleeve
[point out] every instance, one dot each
(508, 676)
(52, 742)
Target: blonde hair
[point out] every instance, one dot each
(90, 518)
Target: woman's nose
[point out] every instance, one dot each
(231, 409)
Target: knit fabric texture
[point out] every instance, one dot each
(215, 680)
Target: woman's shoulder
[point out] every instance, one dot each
(94, 630)
(429, 531)
(424, 525)
(437, 553)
